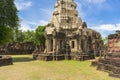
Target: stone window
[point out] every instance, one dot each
(51, 45)
(60, 43)
(73, 44)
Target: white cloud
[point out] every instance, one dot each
(31, 25)
(21, 4)
(96, 1)
(37, 23)
(79, 8)
(107, 27)
(25, 26)
(46, 11)
(90, 7)
(43, 22)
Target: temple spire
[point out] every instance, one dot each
(65, 15)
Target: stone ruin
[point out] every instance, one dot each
(67, 36)
(111, 60)
(5, 60)
(17, 48)
(21, 48)
(14, 48)
(3, 49)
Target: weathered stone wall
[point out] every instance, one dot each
(5, 60)
(20, 48)
(111, 61)
(110, 64)
(114, 42)
(3, 49)
(17, 48)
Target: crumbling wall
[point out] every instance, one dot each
(5, 60)
(17, 48)
(111, 61)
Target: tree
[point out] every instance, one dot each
(5, 34)
(40, 39)
(29, 36)
(8, 14)
(8, 19)
(105, 40)
(19, 36)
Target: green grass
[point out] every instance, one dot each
(24, 68)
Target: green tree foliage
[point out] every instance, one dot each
(5, 34)
(19, 36)
(24, 36)
(105, 40)
(29, 36)
(8, 14)
(40, 39)
(8, 19)
(36, 36)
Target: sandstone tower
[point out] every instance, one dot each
(67, 36)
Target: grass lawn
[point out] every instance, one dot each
(24, 68)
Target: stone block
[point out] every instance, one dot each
(101, 66)
(94, 63)
(6, 60)
(114, 75)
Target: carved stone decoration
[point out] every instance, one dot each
(69, 38)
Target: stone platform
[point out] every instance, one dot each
(5, 60)
(51, 57)
(47, 57)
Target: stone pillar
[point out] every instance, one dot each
(79, 43)
(46, 44)
(49, 46)
(76, 44)
(85, 45)
(57, 46)
(54, 45)
(54, 49)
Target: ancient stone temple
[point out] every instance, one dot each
(67, 36)
(111, 60)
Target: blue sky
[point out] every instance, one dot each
(100, 15)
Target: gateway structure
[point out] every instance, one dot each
(67, 36)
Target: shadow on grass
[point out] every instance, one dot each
(22, 59)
